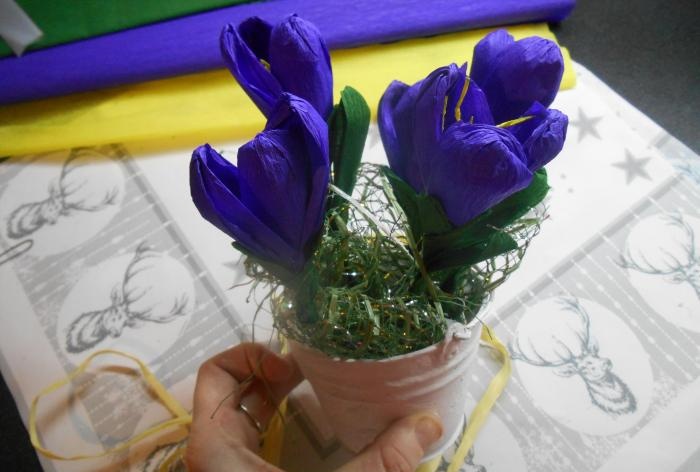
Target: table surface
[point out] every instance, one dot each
(646, 53)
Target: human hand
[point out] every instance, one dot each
(224, 438)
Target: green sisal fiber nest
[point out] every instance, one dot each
(365, 295)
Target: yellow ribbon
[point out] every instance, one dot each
(271, 449)
(272, 446)
(190, 110)
(482, 409)
(182, 417)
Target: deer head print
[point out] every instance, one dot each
(80, 187)
(470, 465)
(562, 341)
(145, 294)
(664, 245)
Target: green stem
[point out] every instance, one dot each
(412, 243)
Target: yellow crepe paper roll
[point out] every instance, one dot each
(211, 107)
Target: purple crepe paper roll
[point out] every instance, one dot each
(190, 44)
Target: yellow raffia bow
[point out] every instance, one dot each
(182, 417)
(482, 409)
(274, 435)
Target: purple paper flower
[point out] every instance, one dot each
(273, 202)
(441, 134)
(542, 135)
(476, 167)
(515, 74)
(289, 57)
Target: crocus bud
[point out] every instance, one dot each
(515, 74)
(542, 135)
(475, 168)
(273, 202)
(413, 119)
(433, 145)
(289, 57)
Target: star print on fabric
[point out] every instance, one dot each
(586, 125)
(633, 167)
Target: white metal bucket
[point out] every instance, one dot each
(361, 398)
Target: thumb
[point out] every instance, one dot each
(400, 448)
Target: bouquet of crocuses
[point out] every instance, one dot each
(365, 261)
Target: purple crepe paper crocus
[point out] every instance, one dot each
(441, 134)
(289, 57)
(515, 74)
(273, 202)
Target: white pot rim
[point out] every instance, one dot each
(454, 329)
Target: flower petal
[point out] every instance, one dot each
(514, 75)
(533, 118)
(478, 166)
(547, 140)
(389, 120)
(274, 183)
(467, 102)
(428, 111)
(300, 61)
(405, 162)
(486, 54)
(301, 118)
(255, 33)
(214, 185)
(245, 65)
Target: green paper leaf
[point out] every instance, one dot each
(444, 246)
(485, 231)
(520, 202)
(498, 243)
(348, 127)
(306, 292)
(424, 213)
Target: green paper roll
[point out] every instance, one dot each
(63, 21)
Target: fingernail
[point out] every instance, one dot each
(428, 430)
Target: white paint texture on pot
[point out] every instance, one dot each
(361, 398)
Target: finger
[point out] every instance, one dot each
(219, 377)
(221, 381)
(250, 358)
(262, 397)
(216, 424)
(224, 459)
(215, 387)
(400, 448)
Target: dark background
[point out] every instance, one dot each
(646, 50)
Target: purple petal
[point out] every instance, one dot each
(300, 118)
(389, 121)
(299, 60)
(240, 58)
(316, 206)
(514, 75)
(428, 106)
(535, 115)
(486, 54)
(292, 112)
(274, 182)
(402, 115)
(478, 166)
(547, 140)
(214, 188)
(255, 33)
(473, 106)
